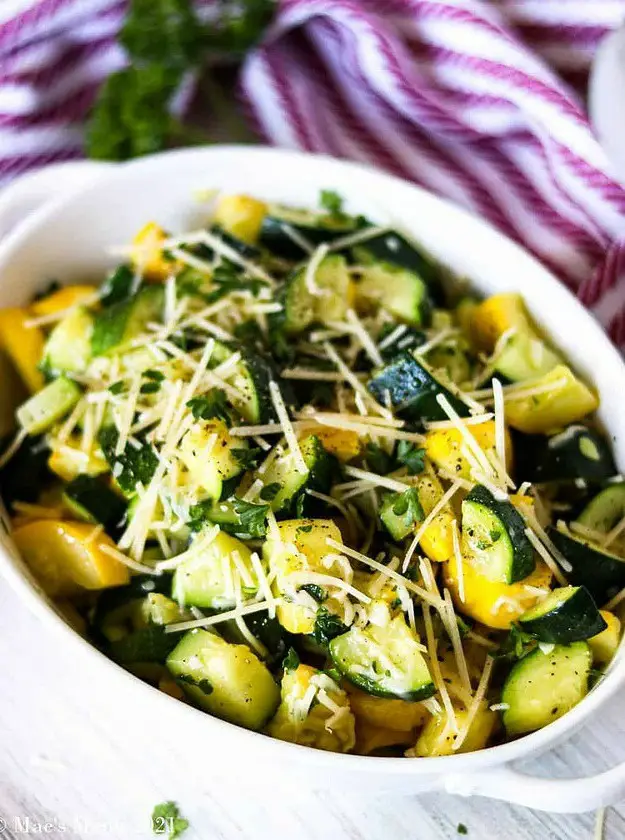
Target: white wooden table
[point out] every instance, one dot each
(68, 760)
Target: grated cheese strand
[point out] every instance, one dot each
(540, 548)
(480, 694)
(435, 669)
(356, 384)
(285, 422)
(208, 621)
(459, 560)
(428, 521)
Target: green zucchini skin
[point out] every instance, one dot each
(603, 574)
(116, 325)
(392, 247)
(578, 452)
(412, 390)
(247, 251)
(354, 655)
(93, 501)
(516, 550)
(401, 292)
(316, 228)
(567, 615)
(542, 687)
(605, 510)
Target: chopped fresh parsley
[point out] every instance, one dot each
(210, 406)
(117, 387)
(226, 279)
(166, 820)
(248, 458)
(291, 660)
(327, 627)
(315, 591)
(118, 285)
(270, 491)
(378, 459)
(411, 456)
(204, 685)
(462, 829)
(138, 465)
(408, 506)
(253, 518)
(154, 375)
(332, 202)
(150, 388)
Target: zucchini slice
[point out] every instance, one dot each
(302, 308)
(68, 348)
(206, 579)
(493, 537)
(226, 680)
(401, 292)
(412, 390)
(525, 356)
(542, 687)
(605, 510)
(50, 404)
(577, 452)
(392, 247)
(601, 572)
(284, 484)
(116, 326)
(384, 661)
(568, 614)
(251, 378)
(315, 228)
(91, 500)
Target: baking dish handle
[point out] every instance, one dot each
(561, 796)
(23, 196)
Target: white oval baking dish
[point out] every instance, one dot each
(72, 236)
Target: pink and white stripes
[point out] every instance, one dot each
(477, 100)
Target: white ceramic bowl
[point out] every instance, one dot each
(70, 238)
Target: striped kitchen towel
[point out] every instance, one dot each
(479, 101)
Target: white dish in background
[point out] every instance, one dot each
(71, 238)
(606, 97)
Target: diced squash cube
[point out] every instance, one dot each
(400, 715)
(314, 724)
(65, 559)
(495, 316)
(240, 215)
(62, 299)
(603, 646)
(301, 547)
(549, 402)
(206, 452)
(443, 447)
(147, 253)
(68, 460)
(371, 738)
(437, 736)
(343, 443)
(24, 346)
(437, 540)
(494, 603)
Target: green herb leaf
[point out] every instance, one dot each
(291, 660)
(166, 820)
(270, 491)
(462, 829)
(378, 459)
(117, 285)
(327, 627)
(226, 279)
(408, 506)
(213, 405)
(332, 202)
(117, 387)
(154, 375)
(204, 685)
(138, 465)
(150, 388)
(315, 591)
(411, 456)
(253, 518)
(248, 458)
